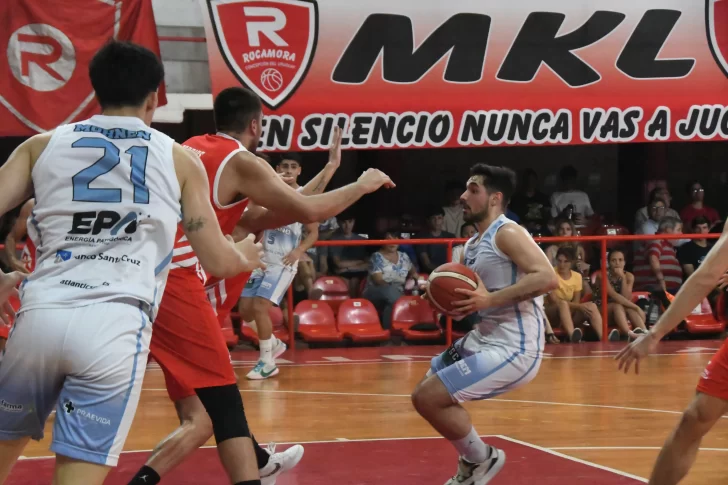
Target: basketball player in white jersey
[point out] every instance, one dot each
(109, 192)
(504, 350)
(283, 248)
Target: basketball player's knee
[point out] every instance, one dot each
(261, 307)
(225, 408)
(699, 417)
(201, 426)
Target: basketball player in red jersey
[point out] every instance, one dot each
(26, 263)
(187, 341)
(711, 399)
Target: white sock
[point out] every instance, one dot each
(472, 447)
(266, 351)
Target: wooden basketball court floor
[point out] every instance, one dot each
(579, 421)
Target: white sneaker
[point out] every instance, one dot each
(279, 347)
(262, 370)
(479, 473)
(279, 463)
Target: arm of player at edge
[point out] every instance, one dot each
(691, 294)
(16, 186)
(259, 182)
(311, 231)
(17, 233)
(218, 255)
(539, 279)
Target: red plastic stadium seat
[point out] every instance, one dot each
(409, 311)
(231, 339)
(702, 320)
(359, 321)
(317, 322)
(335, 290)
(332, 285)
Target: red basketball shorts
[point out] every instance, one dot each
(187, 339)
(224, 294)
(714, 380)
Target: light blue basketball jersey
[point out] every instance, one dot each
(518, 327)
(277, 243)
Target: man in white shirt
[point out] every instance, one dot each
(571, 196)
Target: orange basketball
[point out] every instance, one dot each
(443, 282)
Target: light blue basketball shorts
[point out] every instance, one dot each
(88, 363)
(270, 283)
(484, 372)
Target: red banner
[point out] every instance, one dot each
(48, 45)
(427, 73)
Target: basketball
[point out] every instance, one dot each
(443, 282)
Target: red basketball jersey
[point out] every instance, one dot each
(215, 151)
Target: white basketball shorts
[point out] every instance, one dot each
(489, 371)
(89, 363)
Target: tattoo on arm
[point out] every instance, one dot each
(194, 224)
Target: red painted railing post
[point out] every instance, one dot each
(604, 287)
(291, 320)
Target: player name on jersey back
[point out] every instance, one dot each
(107, 207)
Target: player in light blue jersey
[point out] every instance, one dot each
(109, 193)
(283, 248)
(504, 350)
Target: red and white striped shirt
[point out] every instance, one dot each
(645, 278)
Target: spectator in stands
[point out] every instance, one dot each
(656, 210)
(692, 253)
(389, 270)
(467, 231)
(566, 228)
(530, 204)
(620, 308)
(433, 255)
(571, 197)
(349, 262)
(320, 255)
(563, 305)
(697, 206)
(643, 215)
(453, 211)
(656, 267)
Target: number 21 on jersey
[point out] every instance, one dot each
(82, 192)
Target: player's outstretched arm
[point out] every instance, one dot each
(218, 255)
(539, 279)
(318, 184)
(259, 182)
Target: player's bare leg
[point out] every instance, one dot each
(9, 453)
(479, 462)
(70, 471)
(194, 431)
(270, 347)
(679, 451)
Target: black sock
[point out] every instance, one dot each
(249, 482)
(261, 455)
(146, 476)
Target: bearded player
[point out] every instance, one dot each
(188, 342)
(711, 399)
(504, 350)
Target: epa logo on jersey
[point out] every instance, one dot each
(114, 226)
(268, 45)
